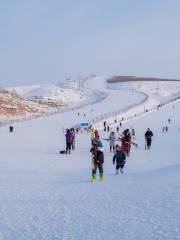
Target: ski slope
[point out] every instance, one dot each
(45, 195)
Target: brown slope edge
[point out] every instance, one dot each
(13, 104)
(117, 79)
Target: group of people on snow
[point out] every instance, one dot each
(70, 140)
(121, 151)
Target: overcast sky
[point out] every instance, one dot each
(48, 40)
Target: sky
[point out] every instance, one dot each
(46, 41)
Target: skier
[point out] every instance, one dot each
(69, 141)
(166, 128)
(119, 158)
(120, 124)
(112, 140)
(148, 138)
(97, 159)
(126, 141)
(108, 128)
(169, 120)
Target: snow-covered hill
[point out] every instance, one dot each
(38, 100)
(13, 105)
(50, 92)
(45, 195)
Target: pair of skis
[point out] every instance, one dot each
(119, 138)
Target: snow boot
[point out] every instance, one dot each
(101, 177)
(117, 171)
(121, 170)
(93, 180)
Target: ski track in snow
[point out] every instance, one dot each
(47, 196)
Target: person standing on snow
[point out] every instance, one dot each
(117, 129)
(119, 158)
(112, 141)
(11, 128)
(73, 142)
(69, 141)
(97, 159)
(126, 142)
(133, 132)
(148, 138)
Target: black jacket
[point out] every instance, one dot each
(148, 134)
(119, 157)
(98, 156)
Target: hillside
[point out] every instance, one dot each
(13, 104)
(37, 100)
(118, 79)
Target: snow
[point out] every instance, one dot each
(159, 90)
(50, 91)
(45, 195)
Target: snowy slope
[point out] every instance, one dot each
(157, 90)
(45, 195)
(50, 91)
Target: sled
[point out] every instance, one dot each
(63, 152)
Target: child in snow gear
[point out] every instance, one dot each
(148, 138)
(126, 142)
(119, 158)
(112, 141)
(97, 159)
